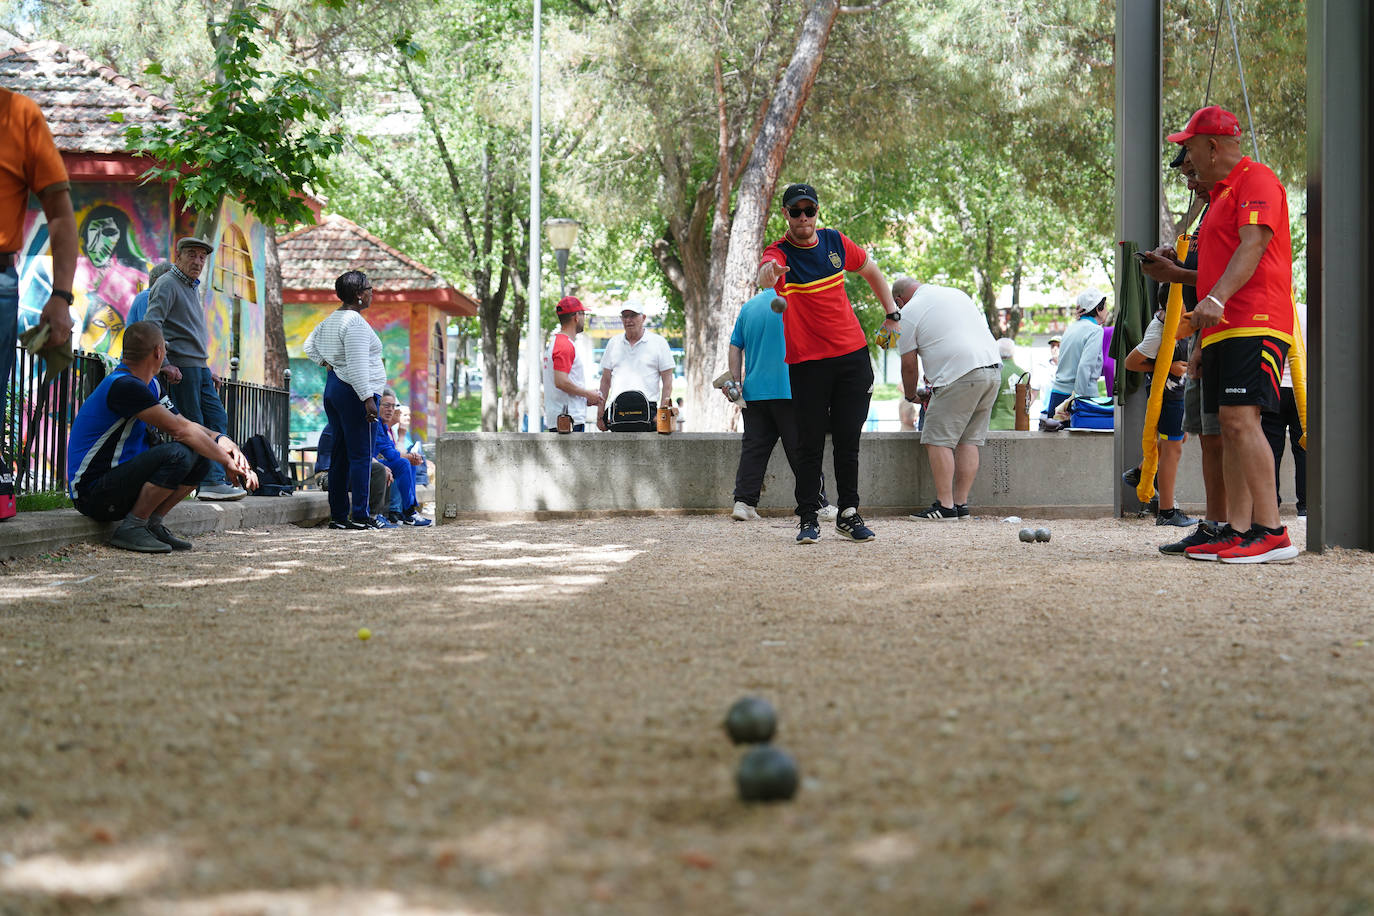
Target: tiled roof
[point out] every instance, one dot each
(313, 257)
(78, 95)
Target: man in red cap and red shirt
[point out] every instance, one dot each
(1245, 279)
(565, 375)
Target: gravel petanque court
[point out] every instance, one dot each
(535, 725)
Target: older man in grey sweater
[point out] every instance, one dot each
(175, 306)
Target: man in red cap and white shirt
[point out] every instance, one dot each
(1245, 279)
(565, 374)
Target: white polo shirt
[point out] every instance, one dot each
(637, 367)
(950, 332)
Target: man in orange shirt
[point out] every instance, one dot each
(1245, 276)
(30, 162)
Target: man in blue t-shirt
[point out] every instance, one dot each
(116, 469)
(758, 335)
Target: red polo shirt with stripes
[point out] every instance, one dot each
(819, 322)
(1250, 196)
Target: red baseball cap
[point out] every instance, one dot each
(569, 304)
(1212, 121)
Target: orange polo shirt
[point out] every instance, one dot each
(29, 161)
(1250, 196)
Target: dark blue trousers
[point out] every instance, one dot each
(353, 439)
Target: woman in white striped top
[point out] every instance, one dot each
(345, 344)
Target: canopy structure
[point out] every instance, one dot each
(1340, 252)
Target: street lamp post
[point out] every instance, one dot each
(562, 236)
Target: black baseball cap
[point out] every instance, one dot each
(796, 192)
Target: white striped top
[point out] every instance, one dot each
(346, 343)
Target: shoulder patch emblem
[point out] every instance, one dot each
(835, 260)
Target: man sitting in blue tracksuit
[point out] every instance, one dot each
(403, 508)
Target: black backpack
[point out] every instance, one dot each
(272, 481)
(630, 413)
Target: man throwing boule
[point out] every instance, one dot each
(827, 354)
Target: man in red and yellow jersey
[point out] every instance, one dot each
(1245, 278)
(827, 354)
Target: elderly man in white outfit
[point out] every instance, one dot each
(637, 360)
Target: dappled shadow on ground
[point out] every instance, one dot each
(534, 724)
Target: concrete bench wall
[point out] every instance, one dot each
(520, 473)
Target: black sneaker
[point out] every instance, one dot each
(1174, 517)
(962, 509)
(808, 530)
(852, 526)
(936, 513)
(174, 541)
(1205, 533)
(347, 524)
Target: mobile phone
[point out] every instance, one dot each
(1143, 256)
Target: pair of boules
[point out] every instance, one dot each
(765, 773)
(1031, 535)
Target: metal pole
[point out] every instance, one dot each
(533, 399)
(1139, 142)
(1340, 280)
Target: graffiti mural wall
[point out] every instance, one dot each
(124, 229)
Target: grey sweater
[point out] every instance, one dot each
(174, 305)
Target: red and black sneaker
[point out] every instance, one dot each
(1224, 539)
(1260, 545)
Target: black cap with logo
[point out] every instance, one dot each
(796, 192)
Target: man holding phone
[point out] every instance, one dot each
(1245, 272)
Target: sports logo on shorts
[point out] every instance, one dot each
(835, 260)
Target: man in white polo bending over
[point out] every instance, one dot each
(964, 371)
(637, 360)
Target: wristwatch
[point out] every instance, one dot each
(65, 294)
(895, 316)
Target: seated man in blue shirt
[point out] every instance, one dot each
(116, 468)
(404, 508)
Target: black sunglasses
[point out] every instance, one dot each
(799, 212)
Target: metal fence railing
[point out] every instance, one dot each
(258, 410)
(36, 443)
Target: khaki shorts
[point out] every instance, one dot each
(1194, 420)
(959, 412)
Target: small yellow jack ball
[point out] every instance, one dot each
(364, 634)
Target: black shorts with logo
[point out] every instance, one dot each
(1243, 370)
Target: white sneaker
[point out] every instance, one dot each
(222, 491)
(828, 513)
(744, 513)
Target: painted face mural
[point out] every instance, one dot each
(113, 271)
(100, 237)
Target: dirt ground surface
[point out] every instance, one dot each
(534, 727)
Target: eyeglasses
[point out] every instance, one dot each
(799, 212)
(365, 289)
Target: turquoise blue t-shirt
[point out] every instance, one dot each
(758, 332)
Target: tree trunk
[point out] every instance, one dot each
(490, 318)
(511, 339)
(737, 240)
(275, 359)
